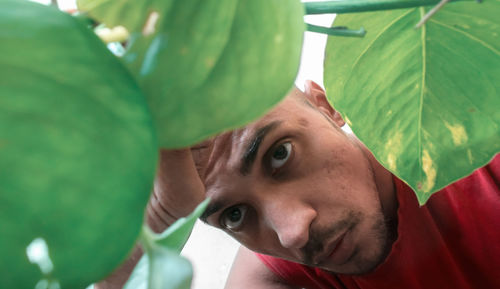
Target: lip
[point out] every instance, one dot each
(334, 251)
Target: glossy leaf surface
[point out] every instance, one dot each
(77, 151)
(211, 65)
(162, 267)
(425, 101)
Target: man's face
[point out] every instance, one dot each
(295, 186)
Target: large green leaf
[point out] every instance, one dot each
(210, 65)
(162, 267)
(77, 151)
(425, 101)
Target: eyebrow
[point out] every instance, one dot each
(252, 147)
(247, 161)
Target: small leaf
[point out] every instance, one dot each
(424, 101)
(162, 266)
(176, 236)
(164, 270)
(168, 270)
(139, 277)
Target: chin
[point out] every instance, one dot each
(371, 253)
(358, 264)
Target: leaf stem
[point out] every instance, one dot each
(336, 31)
(146, 238)
(351, 6)
(431, 12)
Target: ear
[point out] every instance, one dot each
(317, 96)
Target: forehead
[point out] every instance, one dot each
(227, 149)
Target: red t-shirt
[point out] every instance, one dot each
(451, 242)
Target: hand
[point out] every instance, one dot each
(177, 190)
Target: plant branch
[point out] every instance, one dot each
(336, 30)
(352, 6)
(431, 12)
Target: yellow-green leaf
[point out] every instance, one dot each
(425, 101)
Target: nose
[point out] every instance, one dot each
(291, 220)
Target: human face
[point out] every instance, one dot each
(295, 186)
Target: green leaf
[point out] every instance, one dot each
(211, 65)
(424, 101)
(161, 269)
(77, 151)
(139, 277)
(130, 14)
(168, 270)
(176, 236)
(162, 266)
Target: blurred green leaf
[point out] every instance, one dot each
(77, 150)
(211, 65)
(130, 14)
(162, 266)
(424, 101)
(168, 270)
(176, 236)
(139, 277)
(164, 270)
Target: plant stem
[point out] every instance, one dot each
(146, 239)
(336, 31)
(430, 13)
(351, 6)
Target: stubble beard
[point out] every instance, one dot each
(384, 234)
(317, 237)
(361, 262)
(383, 231)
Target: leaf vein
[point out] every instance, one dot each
(451, 111)
(444, 11)
(468, 35)
(422, 90)
(355, 63)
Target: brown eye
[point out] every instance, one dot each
(233, 217)
(281, 155)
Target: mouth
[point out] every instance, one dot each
(335, 251)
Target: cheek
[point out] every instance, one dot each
(345, 173)
(261, 242)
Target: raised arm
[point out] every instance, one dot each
(177, 191)
(248, 272)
